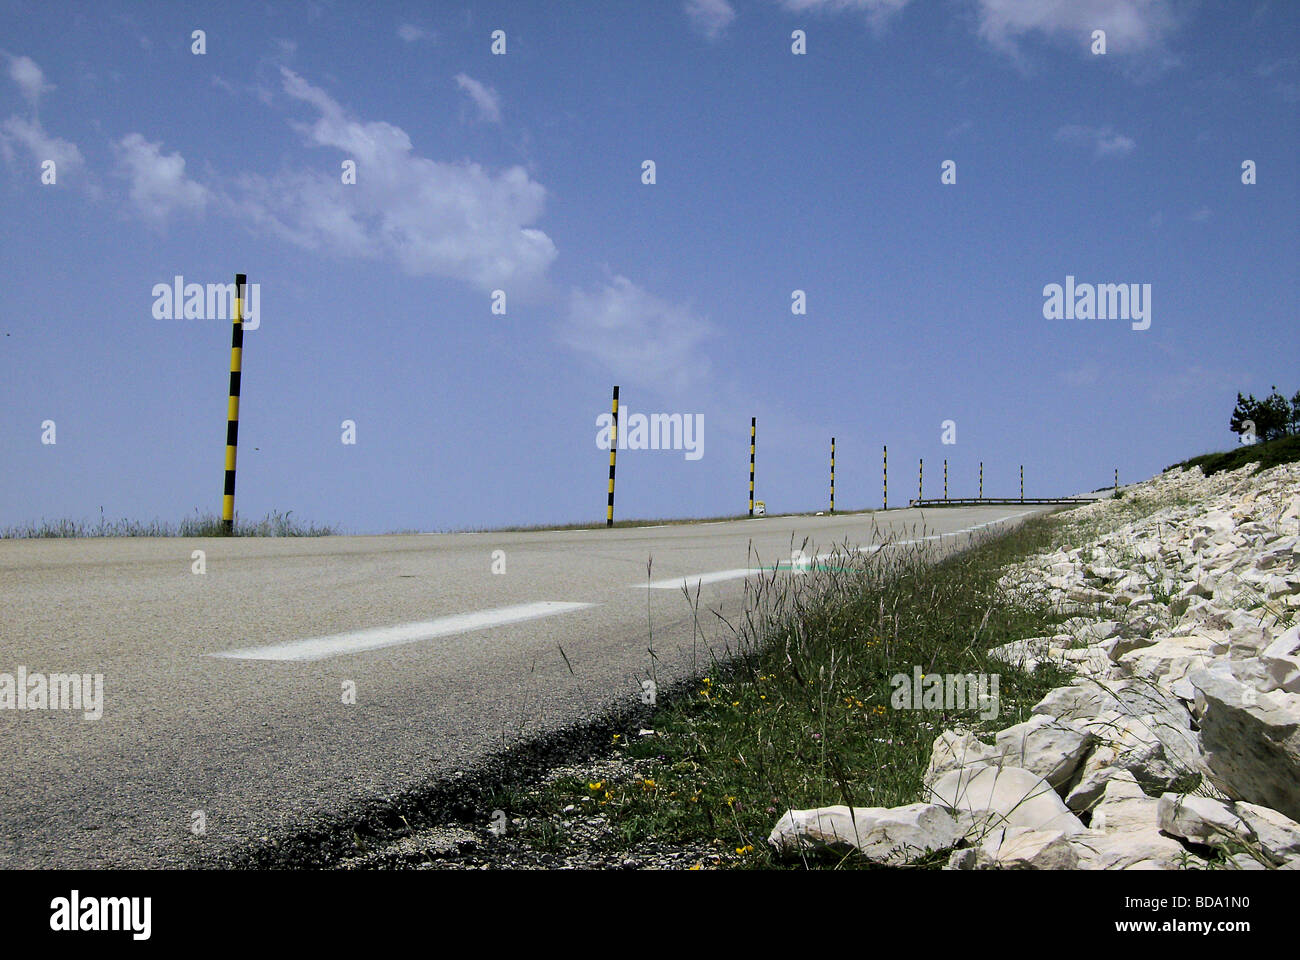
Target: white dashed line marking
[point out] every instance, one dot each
(358, 641)
(691, 581)
(676, 583)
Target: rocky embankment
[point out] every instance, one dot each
(1176, 745)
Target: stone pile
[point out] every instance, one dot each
(1177, 741)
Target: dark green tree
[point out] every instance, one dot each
(1277, 416)
(1271, 418)
(1245, 416)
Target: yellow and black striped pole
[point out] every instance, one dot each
(945, 478)
(886, 476)
(232, 405)
(1022, 483)
(920, 476)
(981, 479)
(832, 474)
(753, 430)
(613, 451)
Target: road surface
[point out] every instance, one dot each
(223, 692)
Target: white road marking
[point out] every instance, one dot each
(694, 580)
(676, 583)
(318, 648)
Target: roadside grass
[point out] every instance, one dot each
(274, 524)
(796, 709)
(1270, 453)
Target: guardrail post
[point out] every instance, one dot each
(613, 451)
(832, 474)
(232, 405)
(753, 432)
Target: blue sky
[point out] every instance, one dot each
(522, 172)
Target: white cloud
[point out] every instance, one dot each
(485, 98)
(29, 77)
(877, 10)
(159, 186)
(446, 219)
(1199, 215)
(1130, 25)
(1104, 140)
(31, 135)
(710, 17)
(410, 33)
(637, 337)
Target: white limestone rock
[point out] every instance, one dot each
(1251, 740)
(1157, 752)
(1167, 661)
(1280, 664)
(1201, 819)
(1125, 833)
(1277, 834)
(883, 834)
(1023, 848)
(954, 749)
(1045, 746)
(1016, 796)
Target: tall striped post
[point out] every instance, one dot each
(832, 474)
(886, 477)
(753, 430)
(945, 478)
(232, 405)
(920, 476)
(981, 479)
(1022, 483)
(1117, 479)
(613, 452)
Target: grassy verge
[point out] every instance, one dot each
(800, 714)
(1267, 454)
(274, 524)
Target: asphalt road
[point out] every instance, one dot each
(224, 692)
